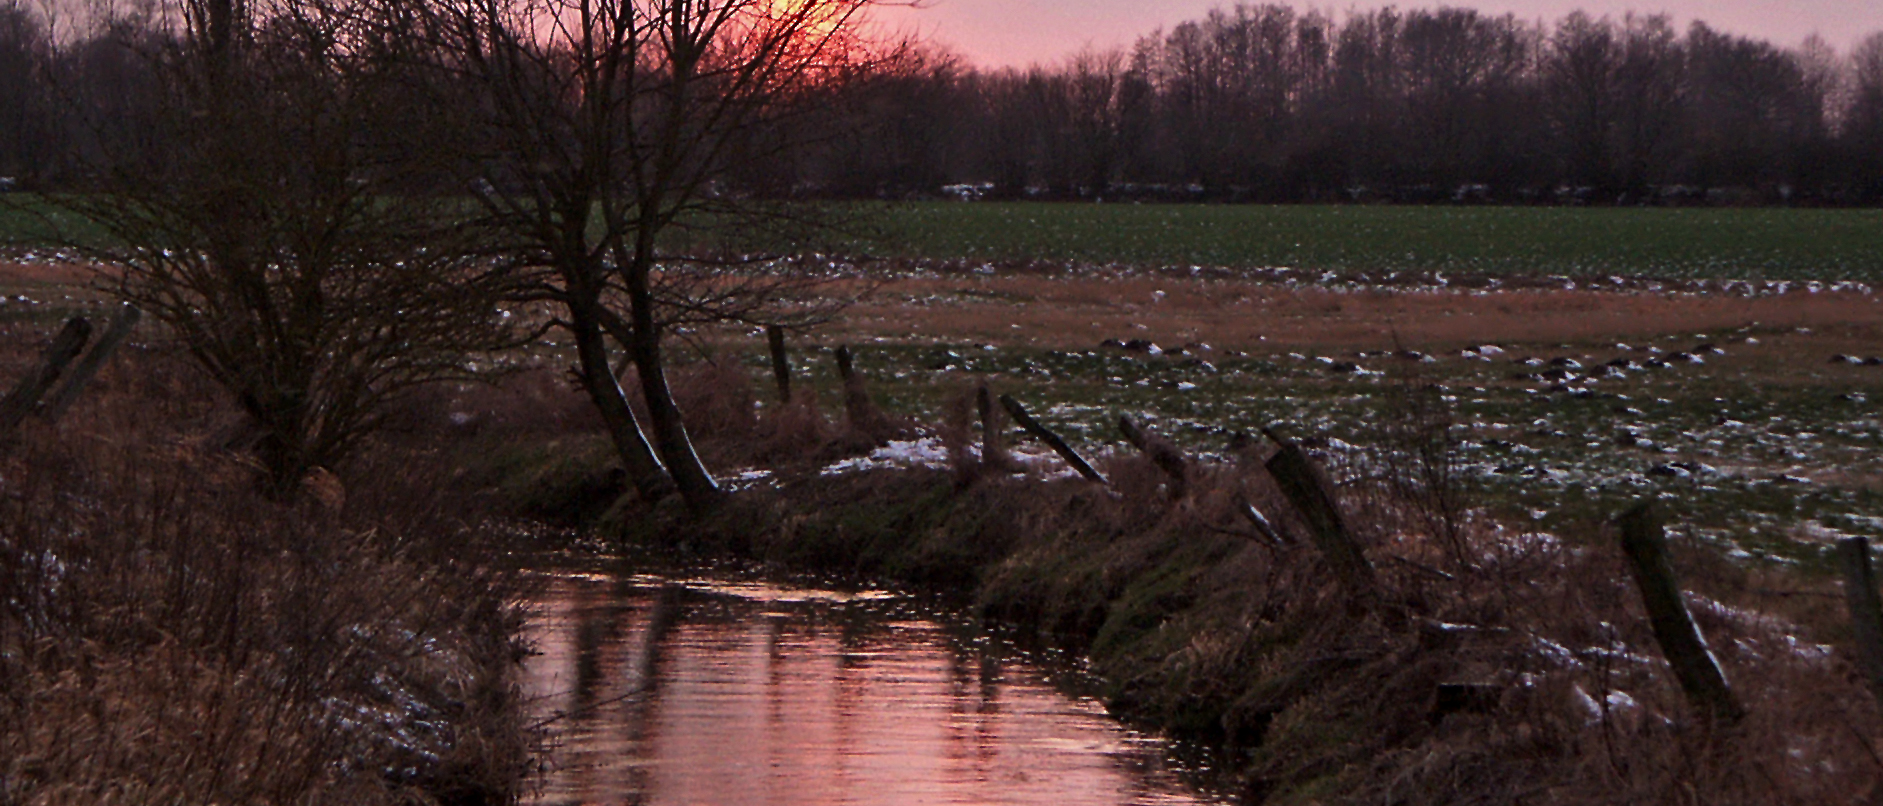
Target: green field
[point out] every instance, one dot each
(1688, 243)
(1771, 244)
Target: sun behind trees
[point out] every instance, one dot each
(608, 132)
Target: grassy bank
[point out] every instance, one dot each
(1198, 627)
(1656, 242)
(168, 635)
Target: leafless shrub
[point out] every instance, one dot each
(1421, 464)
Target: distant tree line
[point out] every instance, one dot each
(1251, 103)
(1267, 103)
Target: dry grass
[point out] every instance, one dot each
(170, 636)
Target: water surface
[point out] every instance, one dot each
(695, 690)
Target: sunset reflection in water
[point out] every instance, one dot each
(754, 694)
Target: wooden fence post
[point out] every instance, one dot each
(781, 363)
(993, 451)
(1166, 456)
(1046, 435)
(122, 322)
(859, 410)
(1312, 493)
(26, 394)
(1866, 612)
(1645, 543)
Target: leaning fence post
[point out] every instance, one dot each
(1166, 456)
(1866, 612)
(1645, 543)
(1046, 435)
(781, 363)
(1308, 488)
(26, 394)
(122, 322)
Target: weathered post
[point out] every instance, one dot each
(1166, 456)
(1866, 612)
(122, 322)
(26, 394)
(781, 363)
(865, 419)
(1312, 493)
(993, 452)
(1046, 435)
(1645, 543)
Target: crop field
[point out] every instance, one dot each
(1727, 406)
(1688, 243)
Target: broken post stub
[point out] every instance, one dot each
(1166, 456)
(1052, 440)
(1645, 542)
(1866, 612)
(24, 398)
(1310, 491)
(781, 362)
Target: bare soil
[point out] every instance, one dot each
(1264, 318)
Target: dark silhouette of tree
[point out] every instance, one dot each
(1863, 124)
(248, 205)
(612, 127)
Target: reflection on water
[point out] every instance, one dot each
(686, 691)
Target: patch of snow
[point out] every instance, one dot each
(926, 452)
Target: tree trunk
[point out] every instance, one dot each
(644, 469)
(689, 474)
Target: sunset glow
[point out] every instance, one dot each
(1015, 33)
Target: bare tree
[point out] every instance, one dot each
(610, 128)
(1862, 126)
(1580, 73)
(263, 218)
(1650, 100)
(24, 112)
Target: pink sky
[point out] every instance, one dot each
(998, 33)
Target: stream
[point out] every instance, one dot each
(708, 689)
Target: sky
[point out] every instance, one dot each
(1017, 33)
